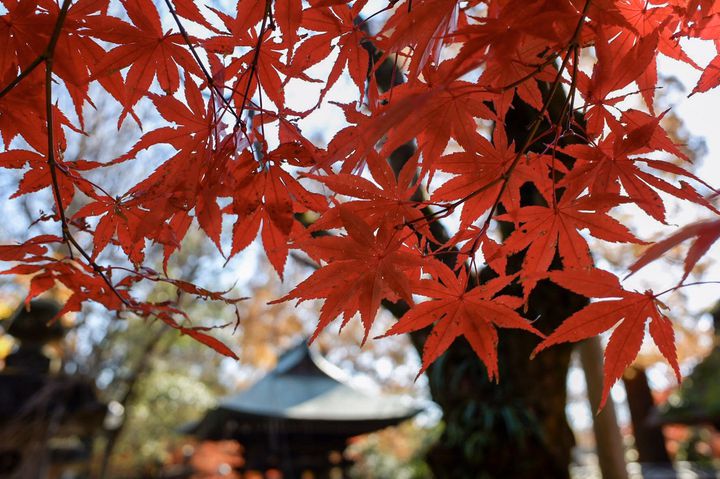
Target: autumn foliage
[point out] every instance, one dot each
(235, 154)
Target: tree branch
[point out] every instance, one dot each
(48, 58)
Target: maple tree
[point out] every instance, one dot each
(218, 82)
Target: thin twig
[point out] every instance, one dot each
(684, 285)
(198, 60)
(254, 62)
(68, 238)
(531, 137)
(44, 56)
(537, 69)
(27, 71)
(52, 164)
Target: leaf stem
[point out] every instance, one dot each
(676, 287)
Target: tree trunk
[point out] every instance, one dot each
(608, 440)
(649, 439)
(516, 428)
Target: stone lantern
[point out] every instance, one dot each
(47, 418)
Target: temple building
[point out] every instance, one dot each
(298, 418)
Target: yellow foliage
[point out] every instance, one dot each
(6, 344)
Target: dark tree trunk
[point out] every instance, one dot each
(515, 428)
(649, 439)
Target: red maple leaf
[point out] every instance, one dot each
(706, 233)
(441, 109)
(630, 309)
(195, 123)
(116, 221)
(547, 229)
(623, 60)
(613, 163)
(424, 28)
(361, 269)
(481, 171)
(144, 48)
(455, 311)
(38, 177)
(265, 193)
(333, 24)
(390, 201)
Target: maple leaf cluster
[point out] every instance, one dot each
(238, 155)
